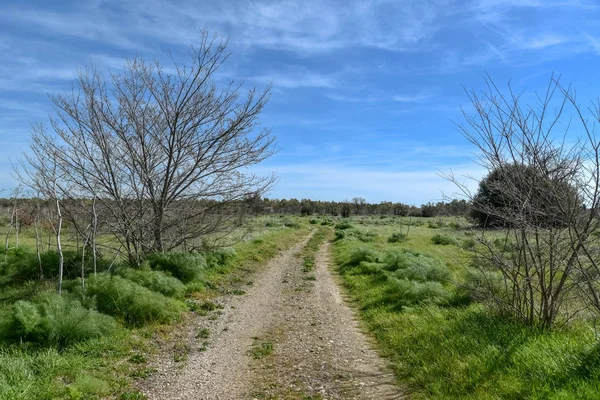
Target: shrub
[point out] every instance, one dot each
(397, 237)
(54, 320)
(222, 257)
(339, 235)
(442, 239)
(132, 302)
(23, 264)
(156, 281)
(406, 292)
(291, 224)
(343, 225)
(469, 244)
(184, 266)
(314, 221)
(359, 255)
(369, 268)
(417, 267)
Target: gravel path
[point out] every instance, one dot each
(291, 336)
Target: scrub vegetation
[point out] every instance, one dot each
(93, 340)
(415, 299)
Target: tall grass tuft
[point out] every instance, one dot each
(132, 302)
(186, 267)
(53, 320)
(156, 281)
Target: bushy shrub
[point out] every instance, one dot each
(271, 224)
(339, 235)
(132, 302)
(369, 268)
(343, 225)
(442, 239)
(54, 320)
(291, 224)
(22, 264)
(417, 267)
(469, 244)
(184, 266)
(314, 221)
(156, 281)
(221, 257)
(359, 255)
(406, 292)
(397, 237)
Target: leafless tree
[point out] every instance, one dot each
(160, 148)
(536, 261)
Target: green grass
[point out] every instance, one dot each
(312, 246)
(449, 347)
(261, 350)
(93, 366)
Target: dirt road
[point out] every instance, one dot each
(291, 336)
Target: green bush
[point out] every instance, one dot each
(343, 225)
(291, 224)
(339, 235)
(314, 221)
(22, 264)
(156, 281)
(405, 292)
(132, 302)
(442, 239)
(184, 266)
(417, 267)
(397, 237)
(221, 257)
(359, 255)
(54, 320)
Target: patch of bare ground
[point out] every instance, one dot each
(290, 336)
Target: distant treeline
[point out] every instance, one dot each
(359, 206)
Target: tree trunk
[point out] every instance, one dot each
(59, 247)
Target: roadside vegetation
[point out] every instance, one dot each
(93, 341)
(414, 298)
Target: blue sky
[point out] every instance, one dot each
(365, 92)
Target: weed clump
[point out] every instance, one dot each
(186, 267)
(156, 281)
(406, 292)
(442, 239)
(221, 257)
(54, 320)
(397, 238)
(132, 302)
(343, 225)
(359, 255)
(416, 267)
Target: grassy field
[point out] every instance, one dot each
(95, 346)
(441, 344)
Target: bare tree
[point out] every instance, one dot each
(548, 188)
(160, 150)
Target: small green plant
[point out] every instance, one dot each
(261, 350)
(203, 333)
(53, 320)
(156, 281)
(134, 303)
(343, 225)
(138, 359)
(186, 267)
(442, 239)
(397, 238)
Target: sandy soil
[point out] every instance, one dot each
(291, 336)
